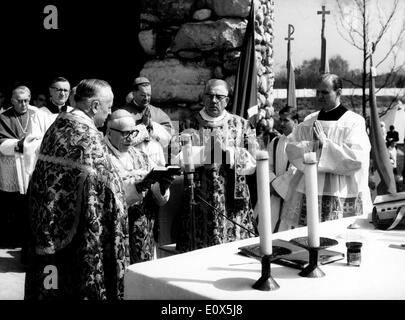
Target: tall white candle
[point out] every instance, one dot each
(263, 201)
(311, 193)
(187, 153)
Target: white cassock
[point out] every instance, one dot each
(14, 171)
(343, 162)
(41, 121)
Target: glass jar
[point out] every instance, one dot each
(354, 253)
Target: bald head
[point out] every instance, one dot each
(219, 84)
(121, 130)
(20, 99)
(21, 90)
(95, 98)
(121, 120)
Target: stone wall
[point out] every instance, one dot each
(191, 41)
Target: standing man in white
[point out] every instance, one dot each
(339, 138)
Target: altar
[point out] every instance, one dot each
(220, 273)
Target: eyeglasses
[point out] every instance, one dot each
(60, 90)
(219, 97)
(126, 134)
(22, 100)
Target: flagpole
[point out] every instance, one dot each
(291, 100)
(245, 92)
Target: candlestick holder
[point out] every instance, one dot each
(266, 281)
(313, 270)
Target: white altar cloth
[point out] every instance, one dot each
(219, 272)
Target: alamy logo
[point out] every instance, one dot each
(51, 280)
(51, 20)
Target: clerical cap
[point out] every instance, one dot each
(141, 80)
(121, 120)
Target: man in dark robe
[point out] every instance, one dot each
(78, 211)
(223, 154)
(150, 119)
(392, 135)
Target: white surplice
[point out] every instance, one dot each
(343, 162)
(41, 122)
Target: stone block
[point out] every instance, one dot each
(202, 14)
(210, 35)
(230, 8)
(174, 81)
(147, 40)
(174, 10)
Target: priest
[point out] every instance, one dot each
(59, 91)
(223, 154)
(339, 138)
(143, 197)
(15, 122)
(78, 213)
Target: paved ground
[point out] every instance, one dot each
(12, 275)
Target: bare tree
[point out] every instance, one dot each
(360, 26)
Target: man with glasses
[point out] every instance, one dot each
(152, 120)
(223, 153)
(78, 213)
(339, 138)
(59, 94)
(144, 197)
(59, 91)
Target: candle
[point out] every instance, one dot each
(311, 193)
(187, 153)
(263, 202)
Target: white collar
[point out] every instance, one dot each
(208, 118)
(82, 115)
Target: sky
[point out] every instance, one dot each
(302, 14)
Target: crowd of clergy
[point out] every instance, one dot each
(78, 193)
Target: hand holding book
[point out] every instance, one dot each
(163, 175)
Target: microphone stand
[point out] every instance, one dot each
(189, 182)
(191, 186)
(222, 215)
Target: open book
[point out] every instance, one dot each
(158, 173)
(298, 258)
